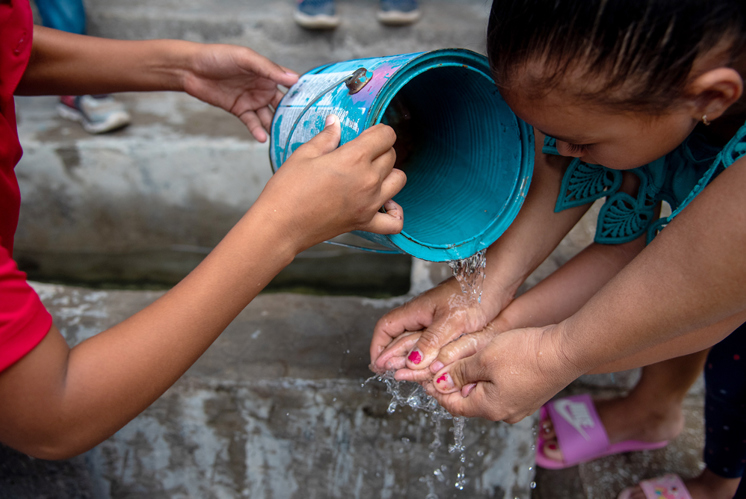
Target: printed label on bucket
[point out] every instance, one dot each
(303, 111)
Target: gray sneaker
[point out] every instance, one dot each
(316, 14)
(97, 113)
(398, 12)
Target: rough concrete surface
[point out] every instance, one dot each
(267, 27)
(277, 408)
(145, 205)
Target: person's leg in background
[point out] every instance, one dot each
(398, 12)
(725, 427)
(322, 14)
(725, 412)
(316, 14)
(97, 113)
(64, 15)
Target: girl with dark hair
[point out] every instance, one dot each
(652, 90)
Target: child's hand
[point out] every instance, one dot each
(322, 191)
(442, 314)
(240, 81)
(507, 379)
(466, 345)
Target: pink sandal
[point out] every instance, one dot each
(580, 434)
(663, 487)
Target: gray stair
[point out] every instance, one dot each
(266, 27)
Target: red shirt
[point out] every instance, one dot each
(23, 319)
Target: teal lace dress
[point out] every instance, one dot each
(676, 178)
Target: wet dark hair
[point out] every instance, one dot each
(635, 54)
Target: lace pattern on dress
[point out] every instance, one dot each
(623, 217)
(734, 150)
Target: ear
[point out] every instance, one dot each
(714, 91)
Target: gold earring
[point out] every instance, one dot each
(705, 121)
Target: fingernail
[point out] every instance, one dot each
(436, 366)
(291, 73)
(330, 120)
(467, 389)
(444, 382)
(415, 357)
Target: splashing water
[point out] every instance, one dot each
(409, 394)
(405, 393)
(470, 273)
(458, 446)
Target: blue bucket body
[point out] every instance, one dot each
(467, 157)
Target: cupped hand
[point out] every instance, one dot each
(507, 379)
(439, 315)
(323, 191)
(240, 81)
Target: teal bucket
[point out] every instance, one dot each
(467, 157)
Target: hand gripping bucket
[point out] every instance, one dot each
(467, 157)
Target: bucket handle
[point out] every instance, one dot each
(363, 248)
(355, 82)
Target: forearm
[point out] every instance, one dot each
(694, 341)
(65, 63)
(692, 276)
(535, 233)
(567, 289)
(84, 395)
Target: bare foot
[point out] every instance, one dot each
(626, 418)
(708, 485)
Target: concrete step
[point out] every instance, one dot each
(144, 205)
(254, 418)
(268, 28)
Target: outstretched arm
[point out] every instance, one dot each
(684, 292)
(233, 78)
(58, 402)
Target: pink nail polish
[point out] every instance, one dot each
(415, 357)
(443, 377)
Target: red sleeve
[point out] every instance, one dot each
(23, 319)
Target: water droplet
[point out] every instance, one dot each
(532, 485)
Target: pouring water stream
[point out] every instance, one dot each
(470, 273)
